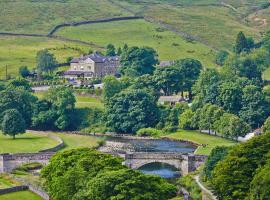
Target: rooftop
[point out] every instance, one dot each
(96, 57)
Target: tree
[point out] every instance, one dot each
(111, 87)
(241, 43)
(46, 61)
(168, 79)
(13, 123)
(119, 51)
(232, 176)
(231, 126)
(216, 155)
(130, 111)
(137, 61)
(259, 188)
(110, 50)
(20, 82)
(128, 184)
(221, 57)
(206, 87)
(189, 71)
(89, 174)
(24, 71)
(266, 126)
(185, 120)
(56, 111)
(20, 99)
(255, 108)
(230, 97)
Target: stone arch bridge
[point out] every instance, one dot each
(185, 163)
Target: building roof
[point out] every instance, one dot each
(166, 63)
(97, 58)
(171, 99)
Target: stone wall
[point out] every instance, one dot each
(57, 147)
(13, 189)
(8, 162)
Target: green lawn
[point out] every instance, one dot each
(200, 138)
(77, 141)
(19, 51)
(169, 45)
(88, 102)
(25, 143)
(24, 195)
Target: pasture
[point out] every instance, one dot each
(169, 45)
(21, 51)
(23, 195)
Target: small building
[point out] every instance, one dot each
(92, 66)
(171, 100)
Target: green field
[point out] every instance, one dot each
(20, 51)
(88, 102)
(77, 141)
(200, 138)
(24, 195)
(25, 16)
(25, 143)
(141, 33)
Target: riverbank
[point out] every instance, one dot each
(206, 142)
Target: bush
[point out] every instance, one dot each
(152, 132)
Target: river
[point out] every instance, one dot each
(123, 144)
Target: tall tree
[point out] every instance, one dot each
(168, 79)
(190, 70)
(137, 61)
(46, 61)
(13, 123)
(110, 50)
(130, 111)
(241, 43)
(111, 87)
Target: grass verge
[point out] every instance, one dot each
(23, 195)
(208, 142)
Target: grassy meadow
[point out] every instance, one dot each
(141, 33)
(21, 51)
(88, 102)
(25, 143)
(209, 141)
(24, 16)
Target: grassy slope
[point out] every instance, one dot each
(16, 52)
(140, 33)
(208, 140)
(25, 143)
(24, 195)
(205, 19)
(25, 16)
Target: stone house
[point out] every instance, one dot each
(92, 66)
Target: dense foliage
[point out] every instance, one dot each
(236, 175)
(88, 174)
(130, 111)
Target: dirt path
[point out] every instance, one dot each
(204, 189)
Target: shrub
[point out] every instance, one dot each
(152, 132)
(189, 183)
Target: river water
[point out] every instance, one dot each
(119, 144)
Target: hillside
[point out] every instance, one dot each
(190, 28)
